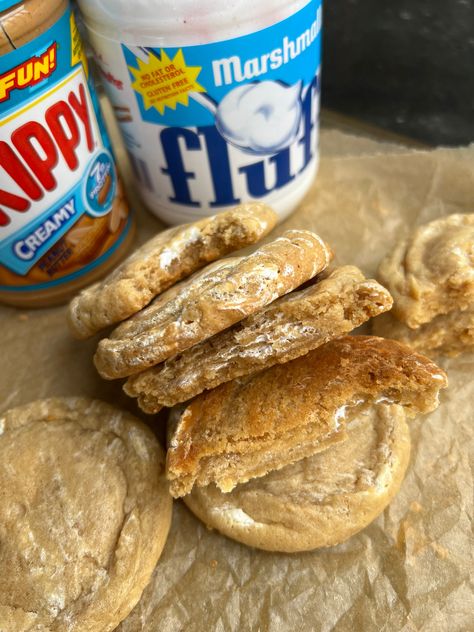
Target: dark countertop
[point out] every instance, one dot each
(407, 67)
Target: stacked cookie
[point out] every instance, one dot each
(304, 454)
(287, 434)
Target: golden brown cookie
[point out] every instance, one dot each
(447, 334)
(85, 512)
(432, 272)
(162, 261)
(219, 296)
(321, 500)
(282, 331)
(248, 427)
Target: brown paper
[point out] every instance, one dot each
(410, 569)
(334, 143)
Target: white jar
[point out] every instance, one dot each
(218, 102)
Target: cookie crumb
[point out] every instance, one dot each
(213, 564)
(23, 317)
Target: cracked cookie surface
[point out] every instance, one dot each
(321, 500)
(217, 297)
(164, 260)
(432, 272)
(284, 330)
(85, 515)
(248, 427)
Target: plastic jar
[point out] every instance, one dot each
(217, 101)
(64, 220)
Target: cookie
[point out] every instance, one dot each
(321, 500)
(219, 296)
(85, 512)
(162, 261)
(248, 427)
(447, 334)
(432, 272)
(282, 331)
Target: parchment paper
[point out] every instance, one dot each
(413, 568)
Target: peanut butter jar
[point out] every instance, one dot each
(64, 218)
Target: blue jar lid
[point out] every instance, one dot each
(7, 4)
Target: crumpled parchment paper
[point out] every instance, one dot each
(413, 568)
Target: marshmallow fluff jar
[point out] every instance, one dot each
(218, 103)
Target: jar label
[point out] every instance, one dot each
(58, 182)
(211, 125)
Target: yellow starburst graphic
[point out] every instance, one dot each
(165, 82)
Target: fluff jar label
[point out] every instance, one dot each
(211, 125)
(58, 182)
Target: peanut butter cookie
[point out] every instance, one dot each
(321, 500)
(432, 272)
(282, 331)
(216, 298)
(85, 512)
(248, 427)
(447, 334)
(162, 261)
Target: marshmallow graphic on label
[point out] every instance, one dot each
(260, 117)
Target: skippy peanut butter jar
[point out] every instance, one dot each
(217, 101)
(63, 215)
